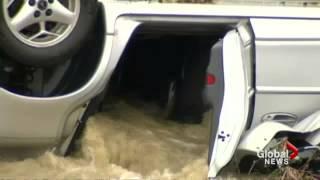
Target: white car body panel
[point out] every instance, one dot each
(282, 29)
(309, 124)
(256, 139)
(235, 104)
(314, 138)
(118, 9)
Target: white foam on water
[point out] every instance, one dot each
(125, 143)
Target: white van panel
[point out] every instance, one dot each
(267, 28)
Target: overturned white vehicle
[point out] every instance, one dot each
(59, 58)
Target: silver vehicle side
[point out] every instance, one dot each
(272, 58)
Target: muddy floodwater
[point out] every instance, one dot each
(127, 141)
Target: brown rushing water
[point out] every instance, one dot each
(126, 142)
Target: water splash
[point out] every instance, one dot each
(126, 142)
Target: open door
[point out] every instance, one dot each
(231, 64)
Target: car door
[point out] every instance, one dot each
(287, 68)
(231, 64)
(265, 71)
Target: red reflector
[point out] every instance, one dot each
(211, 79)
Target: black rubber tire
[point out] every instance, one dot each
(16, 50)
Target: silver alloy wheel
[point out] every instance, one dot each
(41, 23)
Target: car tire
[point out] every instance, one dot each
(45, 47)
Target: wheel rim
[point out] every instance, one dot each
(41, 23)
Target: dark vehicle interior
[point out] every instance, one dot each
(166, 64)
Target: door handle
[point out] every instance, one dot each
(286, 118)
